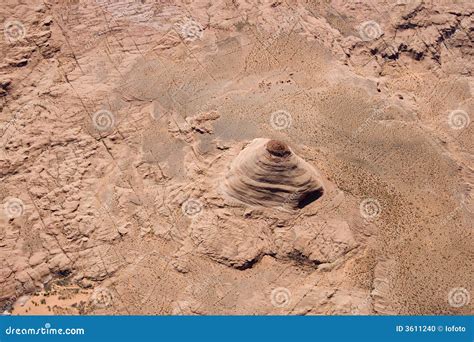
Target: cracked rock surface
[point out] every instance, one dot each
(123, 123)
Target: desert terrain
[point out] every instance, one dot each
(236, 157)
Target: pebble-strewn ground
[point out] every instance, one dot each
(120, 121)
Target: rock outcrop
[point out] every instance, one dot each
(268, 173)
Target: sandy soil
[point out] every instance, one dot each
(136, 176)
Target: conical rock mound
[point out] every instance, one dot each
(268, 173)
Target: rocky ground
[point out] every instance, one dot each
(130, 131)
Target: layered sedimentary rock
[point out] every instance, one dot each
(115, 114)
(268, 173)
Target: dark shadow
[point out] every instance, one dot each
(310, 197)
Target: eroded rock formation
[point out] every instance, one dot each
(268, 173)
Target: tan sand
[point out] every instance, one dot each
(120, 122)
